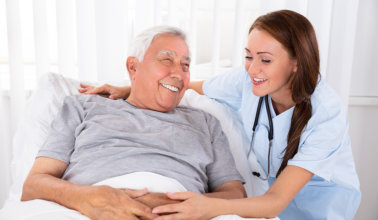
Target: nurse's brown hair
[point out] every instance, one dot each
(298, 37)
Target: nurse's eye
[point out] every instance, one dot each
(265, 61)
(248, 58)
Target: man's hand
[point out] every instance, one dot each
(104, 202)
(153, 200)
(112, 92)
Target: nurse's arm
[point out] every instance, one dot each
(116, 92)
(196, 86)
(228, 190)
(269, 205)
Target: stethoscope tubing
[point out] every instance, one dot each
(270, 133)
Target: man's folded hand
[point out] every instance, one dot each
(104, 202)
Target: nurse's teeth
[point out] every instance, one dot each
(172, 88)
(258, 80)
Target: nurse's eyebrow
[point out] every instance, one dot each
(262, 52)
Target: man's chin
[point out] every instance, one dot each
(169, 105)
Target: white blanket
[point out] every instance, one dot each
(45, 210)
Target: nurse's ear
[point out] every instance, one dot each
(295, 65)
(131, 65)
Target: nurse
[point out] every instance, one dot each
(303, 147)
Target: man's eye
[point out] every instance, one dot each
(185, 66)
(265, 61)
(166, 59)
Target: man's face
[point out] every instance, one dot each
(160, 80)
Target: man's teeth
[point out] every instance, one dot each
(172, 88)
(259, 80)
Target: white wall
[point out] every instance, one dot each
(363, 108)
(364, 136)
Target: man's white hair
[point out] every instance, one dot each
(143, 40)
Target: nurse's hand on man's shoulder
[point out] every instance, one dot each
(104, 202)
(112, 92)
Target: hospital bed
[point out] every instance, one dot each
(44, 104)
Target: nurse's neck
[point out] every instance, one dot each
(282, 104)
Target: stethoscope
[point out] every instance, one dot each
(270, 134)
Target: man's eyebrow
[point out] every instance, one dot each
(187, 58)
(172, 53)
(167, 52)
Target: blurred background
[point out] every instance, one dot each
(89, 39)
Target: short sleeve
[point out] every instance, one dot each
(322, 142)
(227, 87)
(223, 168)
(61, 139)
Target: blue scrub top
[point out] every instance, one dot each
(324, 147)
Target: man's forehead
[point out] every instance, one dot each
(171, 53)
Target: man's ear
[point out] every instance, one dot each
(131, 65)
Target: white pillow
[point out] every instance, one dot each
(40, 110)
(46, 101)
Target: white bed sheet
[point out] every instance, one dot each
(45, 210)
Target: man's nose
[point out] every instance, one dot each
(177, 71)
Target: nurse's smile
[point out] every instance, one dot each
(258, 81)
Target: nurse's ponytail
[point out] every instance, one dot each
(297, 35)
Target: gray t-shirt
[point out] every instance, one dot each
(100, 138)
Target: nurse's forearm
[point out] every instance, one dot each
(256, 207)
(196, 86)
(273, 201)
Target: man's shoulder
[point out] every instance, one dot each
(88, 98)
(196, 114)
(190, 111)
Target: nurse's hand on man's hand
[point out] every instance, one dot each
(153, 200)
(112, 92)
(191, 206)
(104, 202)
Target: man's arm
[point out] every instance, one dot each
(229, 190)
(96, 202)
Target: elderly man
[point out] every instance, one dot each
(94, 139)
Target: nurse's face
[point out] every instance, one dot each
(269, 65)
